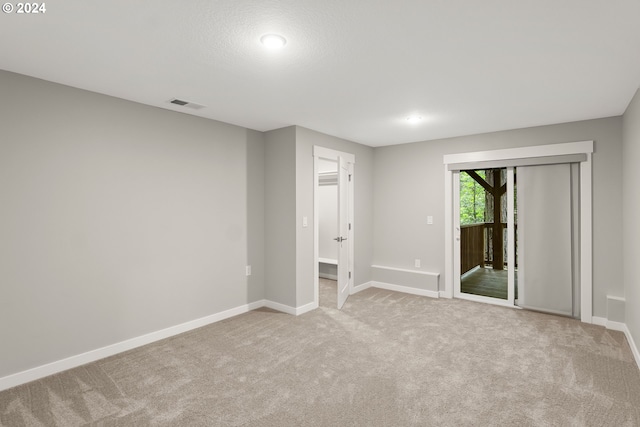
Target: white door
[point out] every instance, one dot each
(342, 239)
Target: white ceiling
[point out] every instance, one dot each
(351, 68)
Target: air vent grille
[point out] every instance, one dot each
(186, 104)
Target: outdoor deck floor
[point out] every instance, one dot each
(487, 282)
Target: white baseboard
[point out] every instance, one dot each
(306, 308)
(279, 307)
(444, 294)
(616, 326)
(406, 289)
(328, 276)
(361, 287)
(609, 324)
(622, 327)
(632, 344)
(294, 311)
(100, 353)
(110, 350)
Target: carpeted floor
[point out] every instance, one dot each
(386, 359)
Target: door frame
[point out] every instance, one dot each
(329, 154)
(581, 151)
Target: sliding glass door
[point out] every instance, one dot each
(517, 236)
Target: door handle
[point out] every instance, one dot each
(340, 239)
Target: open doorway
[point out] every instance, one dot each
(484, 255)
(485, 241)
(334, 225)
(327, 232)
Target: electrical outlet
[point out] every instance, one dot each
(417, 263)
(305, 221)
(429, 220)
(248, 270)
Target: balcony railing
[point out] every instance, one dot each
(476, 246)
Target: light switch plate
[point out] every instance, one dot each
(429, 219)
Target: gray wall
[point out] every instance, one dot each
(631, 214)
(117, 220)
(363, 200)
(256, 214)
(280, 216)
(409, 186)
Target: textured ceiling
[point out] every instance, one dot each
(351, 68)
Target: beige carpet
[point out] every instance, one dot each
(386, 359)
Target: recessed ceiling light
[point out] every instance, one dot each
(273, 41)
(414, 119)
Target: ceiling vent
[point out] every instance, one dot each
(186, 104)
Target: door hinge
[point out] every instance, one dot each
(349, 177)
(349, 275)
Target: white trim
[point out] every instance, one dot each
(616, 326)
(622, 327)
(287, 309)
(316, 229)
(405, 270)
(110, 350)
(329, 154)
(521, 152)
(457, 233)
(328, 261)
(511, 238)
(327, 276)
(531, 161)
(632, 344)
(609, 324)
(586, 238)
(362, 287)
(405, 289)
(586, 206)
(306, 308)
(448, 233)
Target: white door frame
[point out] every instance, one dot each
(329, 154)
(511, 157)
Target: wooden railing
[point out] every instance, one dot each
(476, 246)
(471, 246)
